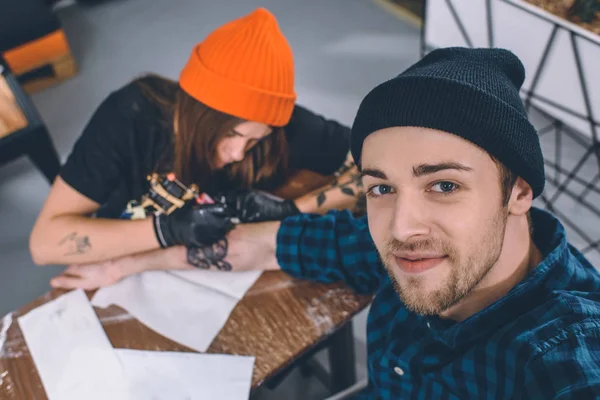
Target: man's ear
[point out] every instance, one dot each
(521, 198)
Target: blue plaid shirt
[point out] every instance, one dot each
(540, 341)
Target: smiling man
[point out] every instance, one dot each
(478, 295)
(434, 224)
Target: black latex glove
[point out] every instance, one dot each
(257, 206)
(193, 225)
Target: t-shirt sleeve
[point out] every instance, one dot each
(99, 156)
(316, 143)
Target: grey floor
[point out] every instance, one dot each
(342, 49)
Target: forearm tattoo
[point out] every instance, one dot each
(210, 256)
(351, 187)
(76, 244)
(347, 166)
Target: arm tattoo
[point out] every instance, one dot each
(76, 244)
(347, 166)
(346, 187)
(209, 256)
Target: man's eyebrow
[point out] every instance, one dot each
(375, 173)
(236, 133)
(428, 169)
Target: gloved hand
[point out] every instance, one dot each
(257, 206)
(193, 225)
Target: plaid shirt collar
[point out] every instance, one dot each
(553, 273)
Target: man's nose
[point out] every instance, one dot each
(409, 216)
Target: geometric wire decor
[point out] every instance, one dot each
(577, 177)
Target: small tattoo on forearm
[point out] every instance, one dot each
(210, 256)
(351, 187)
(76, 244)
(347, 166)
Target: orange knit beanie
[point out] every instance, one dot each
(245, 68)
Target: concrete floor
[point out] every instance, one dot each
(343, 48)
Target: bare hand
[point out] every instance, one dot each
(89, 276)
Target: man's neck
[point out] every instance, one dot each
(518, 257)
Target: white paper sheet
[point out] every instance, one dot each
(189, 307)
(73, 356)
(234, 284)
(187, 376)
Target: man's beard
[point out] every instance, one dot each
(465, 274)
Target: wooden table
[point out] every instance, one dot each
(279, 320)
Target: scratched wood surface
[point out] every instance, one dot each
(11, 116)
(278, 320)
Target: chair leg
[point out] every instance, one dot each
(341, 359)
(42, 153)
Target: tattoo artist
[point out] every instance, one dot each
(222, 127)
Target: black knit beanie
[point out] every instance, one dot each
(472, 93)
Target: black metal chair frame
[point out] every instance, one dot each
(33, 140)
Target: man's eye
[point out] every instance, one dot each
(379, 190)
(444, 187)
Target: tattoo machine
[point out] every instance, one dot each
(166, 194)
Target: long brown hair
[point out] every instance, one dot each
(199, 128)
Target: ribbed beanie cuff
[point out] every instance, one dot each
(235, 98)
(245, 68)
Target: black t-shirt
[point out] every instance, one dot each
(129, 134)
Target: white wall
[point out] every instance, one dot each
(526, 34)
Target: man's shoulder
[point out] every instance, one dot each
(566, 315)
(566, 298)
(572, 307)
(563, 360)
(566, 348)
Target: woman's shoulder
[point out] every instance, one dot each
(143, 93)
(315, 142)
(305, 121)
(135, 108)
(302, 119)
(301, 115)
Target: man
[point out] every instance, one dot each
(478, 295)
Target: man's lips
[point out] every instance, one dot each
(415, 264)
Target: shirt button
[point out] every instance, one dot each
(399, 371)
(429, 325)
